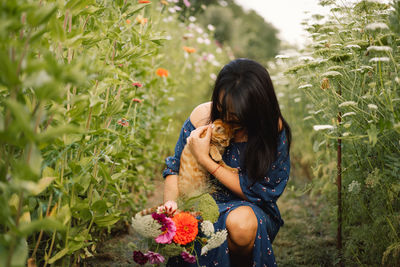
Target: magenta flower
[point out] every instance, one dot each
(168, 228)
(187, 3)
(139, 257)
(154, 258)
(188, 257)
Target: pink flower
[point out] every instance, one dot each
(168, 228)
(187, 3)
(154, 258)
(188, 257)
(123, 122)
(137, 84)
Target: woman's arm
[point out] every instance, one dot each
(171, 188)
(200, 147)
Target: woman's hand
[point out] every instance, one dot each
(200, 146)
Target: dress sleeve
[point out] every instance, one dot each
(271, 187)
(173, 162)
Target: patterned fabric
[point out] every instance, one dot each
(262, 199)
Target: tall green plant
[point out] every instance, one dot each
(355, 52)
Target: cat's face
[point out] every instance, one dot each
(222, 133)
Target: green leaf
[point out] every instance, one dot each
(40, 14)
(58, 256)
(107, 220)
(48, 224)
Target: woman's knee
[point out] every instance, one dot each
(242, 226)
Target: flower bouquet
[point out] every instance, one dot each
(169, 232)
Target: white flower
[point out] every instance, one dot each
(207, 228)
(306, 58)
(353, 46)
(177, 8)
(354, 187)
(348, 114)
(213, 76)
(199, 30)
(219, 50)
(305, 86)
(346, 134)
(172, 10)
(200, 40)
(348, 103)
(377, 26)
(192, 19)
(322, 127)
(297, 99)
(280, 94)
(379, 48)
(372, 106)
(146, 226)
(215, 241)
(282, 57)
(331, 73)
(379, 59)
(207, 41)
(211, 27)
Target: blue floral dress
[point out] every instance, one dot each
(262, 198)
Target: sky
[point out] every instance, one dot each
(286, 16)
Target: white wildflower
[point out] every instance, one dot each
(354, 187)
(280, 94)
(306, 58)
(377, 26)
(282, 57)
(207, 41)
(210, 27)
(172, 10)
(379, 48)
(207, 228)
(307, 118)
(331, 73)
(348, 103)
(192, 19)
(348, 114)
(305, 86)
(353, 46)
(397, 80)
(199, 30)
(219, 50)
(346, 133)
(215, 241)
(379, 59)
(372, 106)
(297, 99)
(177, 8)
(146, 226)
(213, 76)
(322, 127)
(200, 40)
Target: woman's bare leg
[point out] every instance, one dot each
(241, 224)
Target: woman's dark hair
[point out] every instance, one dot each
(243, 87)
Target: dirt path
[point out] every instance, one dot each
(304, 240)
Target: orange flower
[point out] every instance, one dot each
(164, 2)
(186, 228)
(189, 49)
(137, 100)
(144, 1)
(140, 19)
(162, 72)
(128, 21)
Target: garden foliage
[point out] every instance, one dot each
(84, 90)
(346, 85)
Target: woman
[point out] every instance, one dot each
(243, 95)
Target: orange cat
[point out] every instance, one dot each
(193, 178)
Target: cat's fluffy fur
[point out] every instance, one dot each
(193, 178)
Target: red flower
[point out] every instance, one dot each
(137, 100)
(144, 1)
(137, 84)
(139, 257)
(186, 228)
(123, 122)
